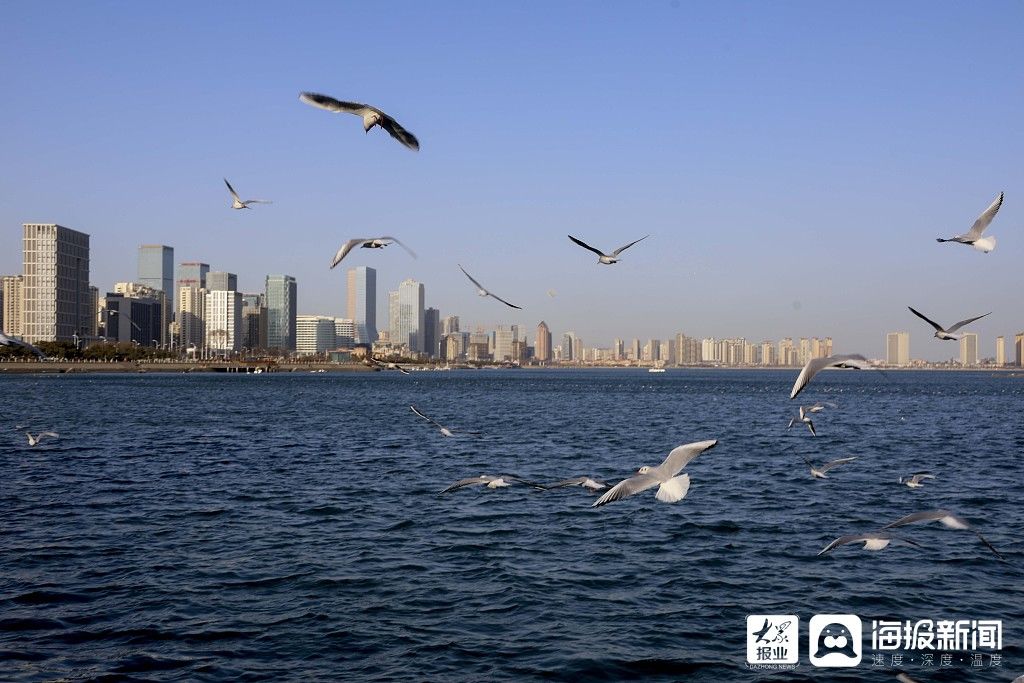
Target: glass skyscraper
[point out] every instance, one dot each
(192, 274)
(410, 315)
(362, 303)
(281, 312)
(156, 268)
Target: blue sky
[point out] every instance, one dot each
(793, 161)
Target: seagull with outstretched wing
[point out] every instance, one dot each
(239, 203)
(942, 333)
(483, 292)
(13, 343)
(947, 519)
(367, 243)
(607, 259)
(445, 431)
(973, 237)
(371, 116)
(671, 488)
(816, 365)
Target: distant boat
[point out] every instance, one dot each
(655, 369)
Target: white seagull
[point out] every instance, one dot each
(371, 116)
(671, 488)
(33, 440)
(816, 365)
(445, 431)
(491, 482)
(583, 481)
(483, 292)
(238, 203)
(389, 366)
(941, 333)
(367, 243)
(607, 259)
(914, 481)
(17, 343)
(947, 518)
(820, 472)
(876, 540)
(973, 237)
(805, 419)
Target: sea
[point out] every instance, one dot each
(290, 527)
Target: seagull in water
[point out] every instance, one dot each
(876, 540)
(941, 333)
(584, 481)
(483, 292)
(444, 430)
(973, 237)
(367, 243)
(17, 343)
(671, 488)
(371, 116)
(238, 203)
(914, 481)
(805, 419)
(607, 259)
(490, 481)
(816, 365)
(33, 440)
(820, 473)
(947, 518)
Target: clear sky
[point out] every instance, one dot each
(793, 161)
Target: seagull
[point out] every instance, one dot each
(371, 116)
(584, 481)
(973, 237)
(820, 473)
(947, 518)
(483, 292)
(941, 333)
(490, 481)
(816, 365)
(607, 259)
(389, 366)
(805, 419)
(444, 430)
(671, 488)
(17, 343)
(367, 243)
(33, 440)
(876, 540)
(552, 293)
(914, 481)
(238, 203)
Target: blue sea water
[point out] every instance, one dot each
(289, 527)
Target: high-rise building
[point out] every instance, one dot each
(190, 313)
(1018, 349)
(192, 274)
(392, 316)
(618, 350)
(634, 349)
(132, 318)
(969, 349)
(56, 283)
(568, 346)
(1000, 351)
(897, 348)
(217, 280)
(768, 354)
(542, 346)
(282, 303)
(135, 290)
(344, 332)
(503, 339)
(12, 286)
(254, 321)
(156, 268)
(409, 330)
(314, 334)
(223, 317)
(362, 303)
(450, 325)
(432, 332)
(94, 306)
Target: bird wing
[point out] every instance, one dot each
(479, 286)
(503, 301)
(466, 482)
(803, 413)
(232, 191)
(624, 248)
(336, 106)
(960, 324)
(431, 421)
(626, 488)
(347, 247)
(401, 369)
(682, 455)
(257, 201)
(985, 218)
(586, 246)
(836, 463)
(397, 132)
(816, 365)
(53, 434)
(843, 540)
(399, 243)
(791, 423)
(925, 516)
(988, 545)
(578, 481)
(922, 316)
(810, 426)
(921, 475)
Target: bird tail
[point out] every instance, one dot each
(674, 490)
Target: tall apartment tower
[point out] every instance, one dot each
(432, 332)
(56, 283)
(897, 348)
(191, 314)
(542, 347)
(362, 303)
(282, 305)
(13, 303)
(410, 326)
(222, 316)
(969, 349)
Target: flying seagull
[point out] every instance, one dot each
(973, 237)
(583, 481)
(389, 366)
(33, 440)
(820, 472)
(805, 419)
(483, 292)
(941, 333)
(16, 343)
(490, 481)
(876, 540)
(607, 259)
(371, 116)
(947, 518)
(238, 203)
(445, 431)
(816, 365)
(367, 243)
(671, 488)
(914, 481)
